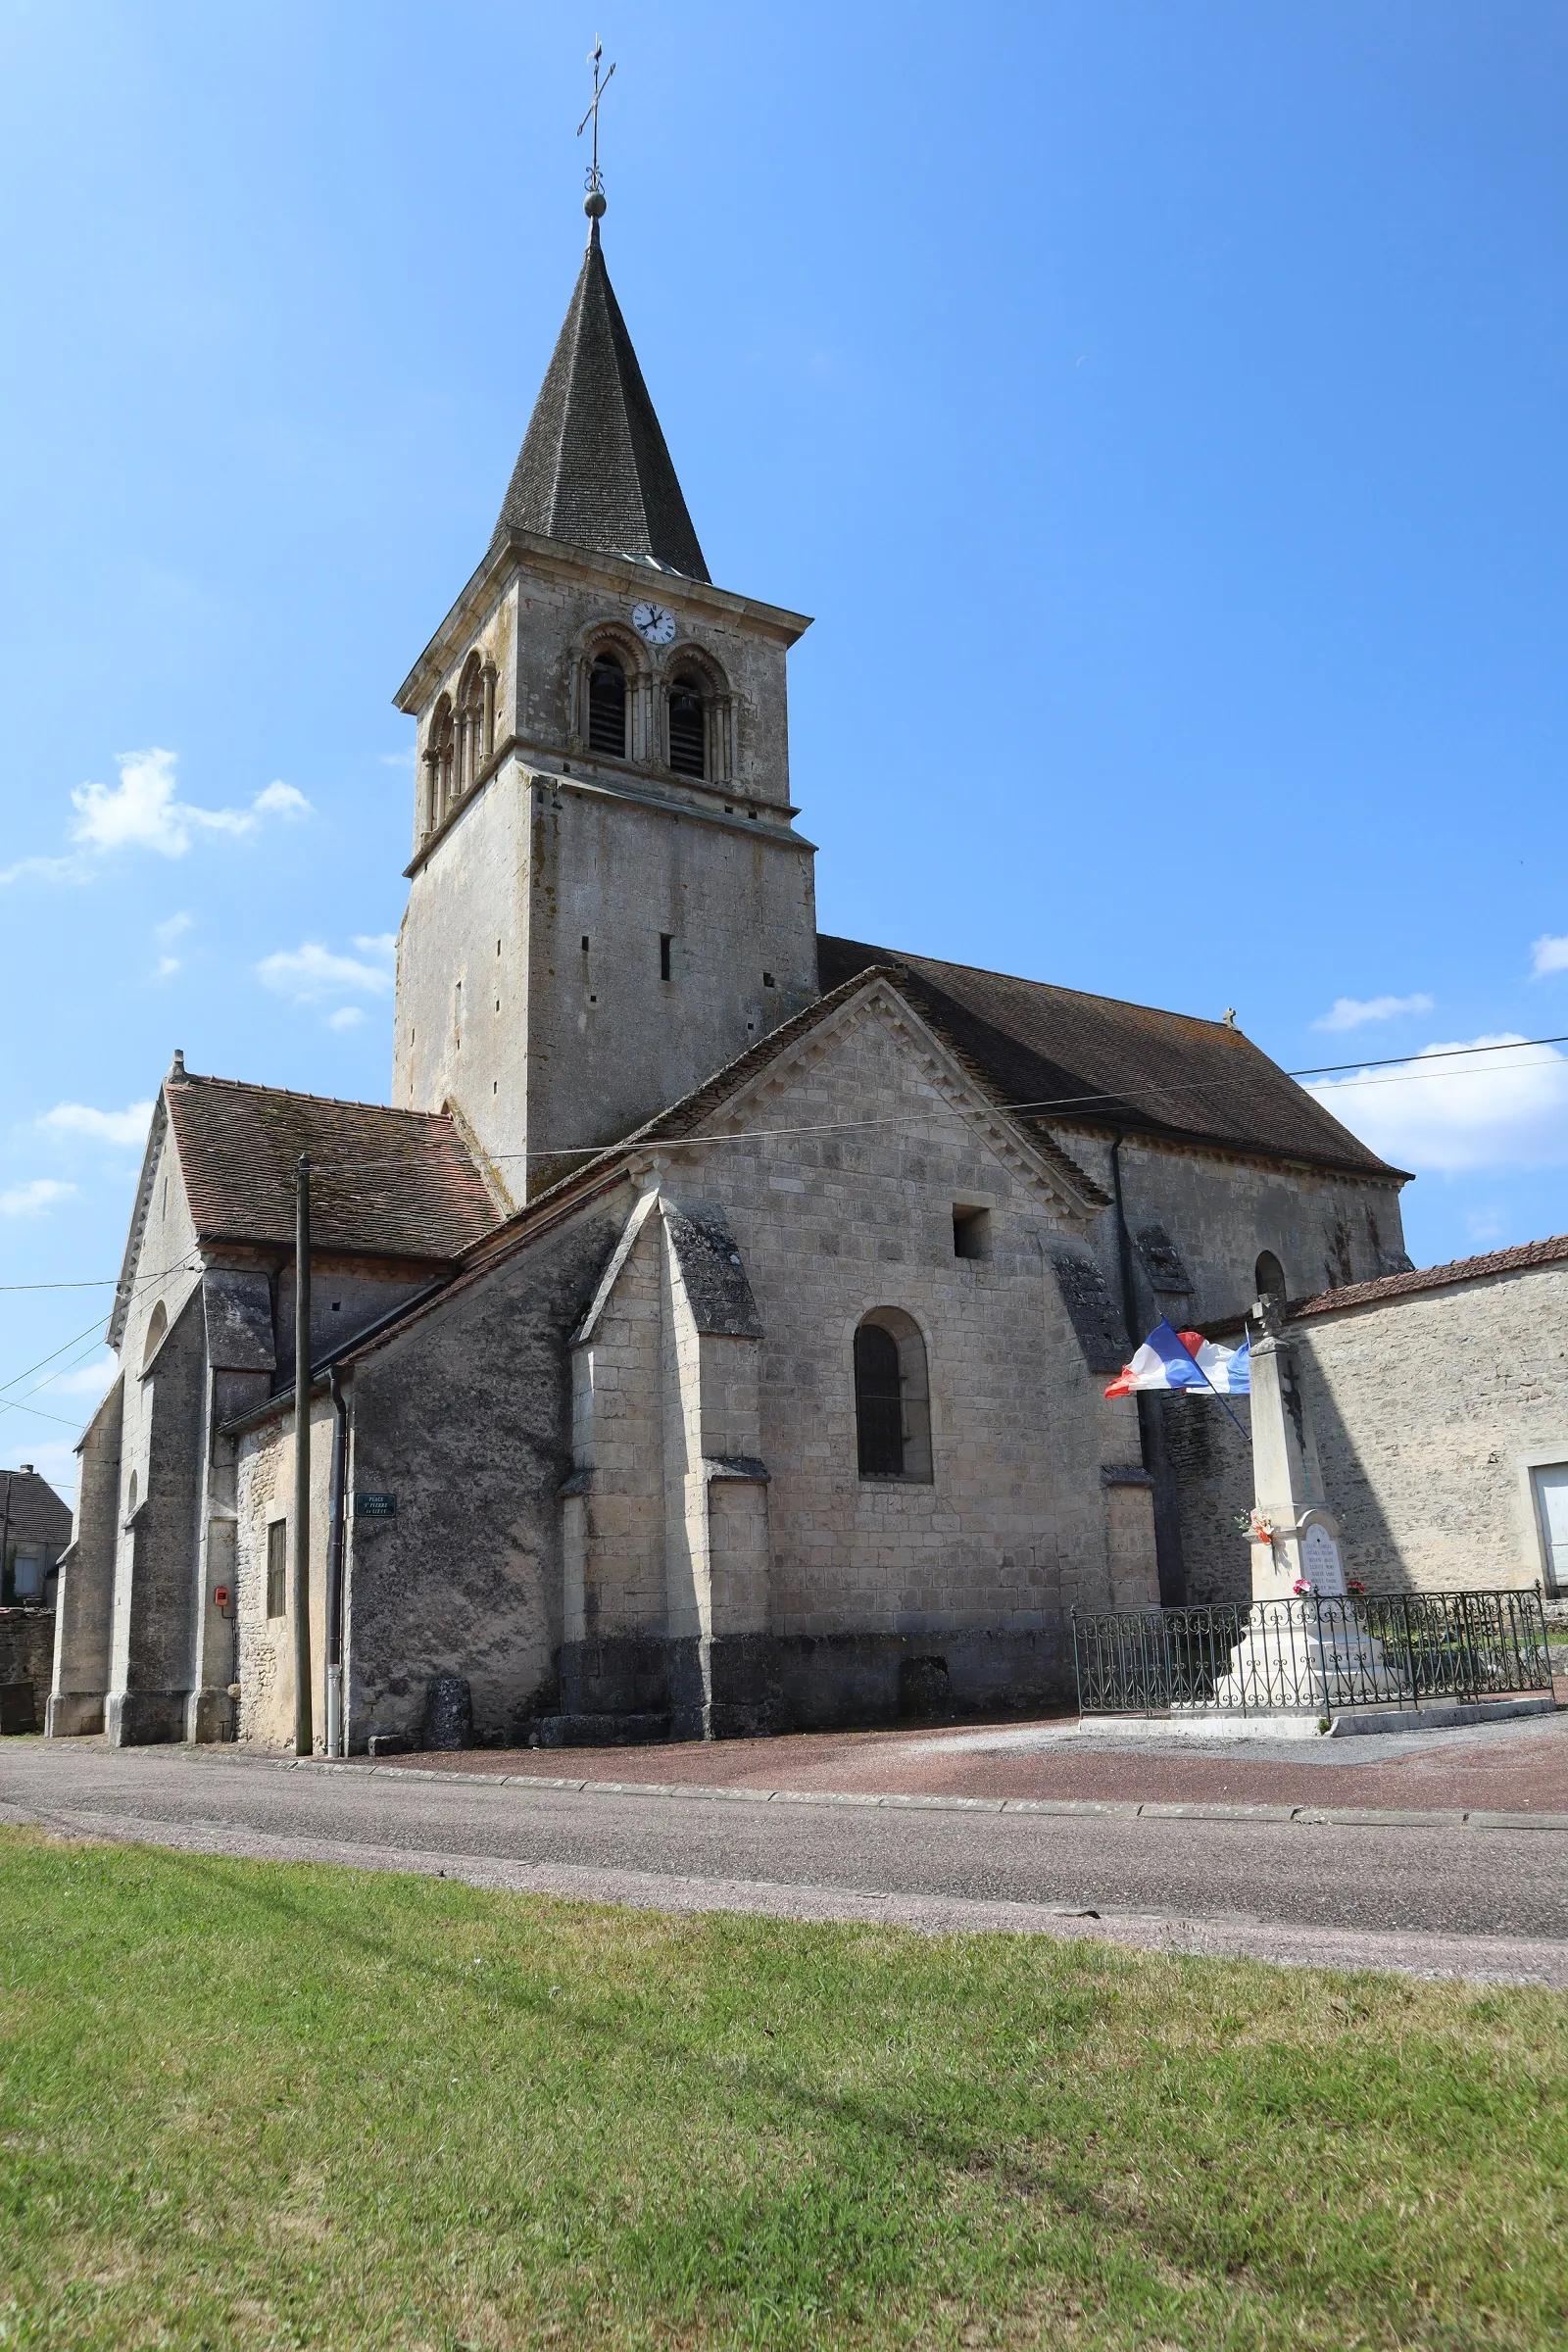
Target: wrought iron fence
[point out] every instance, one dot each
(1311, 1655)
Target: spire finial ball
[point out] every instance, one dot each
(592, 204)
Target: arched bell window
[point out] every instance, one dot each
(607, 705)
(441, 760)
(1269, 1276)
(688, 729)
(470, 753)
(892, 1398)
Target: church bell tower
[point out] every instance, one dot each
(608, 897)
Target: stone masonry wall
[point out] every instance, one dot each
(264, 1645)
(1429, 1411)
(1015, 1526)
(466, 1417)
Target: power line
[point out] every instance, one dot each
(1057, 1102)
(1415, 1070)
(107, 1284)
(1504, 1045)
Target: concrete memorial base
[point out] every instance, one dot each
(1351, 1723)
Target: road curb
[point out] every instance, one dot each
(713, 1792)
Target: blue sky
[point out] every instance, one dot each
(1161, 410)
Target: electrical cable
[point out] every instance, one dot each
(1084, 1105)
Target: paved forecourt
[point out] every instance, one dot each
(1455, 1894)
(1518, 1767)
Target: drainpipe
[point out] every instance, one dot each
(1150, 1430)
(336, 1730)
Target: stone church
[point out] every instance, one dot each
(710, 1336)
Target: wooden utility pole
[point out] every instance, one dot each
(304, 1733)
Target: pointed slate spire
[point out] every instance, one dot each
(593, 468)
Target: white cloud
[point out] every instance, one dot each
(1548, 954)
(88, 1380)
(128, 1127)
(1493, 1109)
(277, 800)
(166, 935)
(30, 1200)
(347, 1016)
(1350, 1013)
(379, 943)
(403, 760)
(312, 974)
(141, 812)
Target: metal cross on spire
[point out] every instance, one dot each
(594, 183)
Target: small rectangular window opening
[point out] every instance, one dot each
(278, 1568)
(667, 940)
(971, 1232)
(769, 981)
(585, 943)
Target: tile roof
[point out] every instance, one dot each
(594, 469)
(384, 1183)
(35, 1515)
(1435, 1278)
(1096, 1061)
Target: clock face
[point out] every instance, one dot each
(654, 624)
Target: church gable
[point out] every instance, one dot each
(862, 1070)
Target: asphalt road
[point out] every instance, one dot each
(1490, 1904)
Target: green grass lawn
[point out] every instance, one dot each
(254, 2104)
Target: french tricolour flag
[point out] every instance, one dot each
(1185, 1359)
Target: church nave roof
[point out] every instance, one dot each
(1076, 1059)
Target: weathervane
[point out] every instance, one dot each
(594, 201)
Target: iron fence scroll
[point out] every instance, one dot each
(1312, 1654)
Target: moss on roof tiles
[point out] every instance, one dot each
(384, 1182)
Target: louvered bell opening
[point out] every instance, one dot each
(878, 1403)
(688, 732)
(606, 707)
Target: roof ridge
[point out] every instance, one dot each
(294, 1094)
(1062, 988)
(1549, 1250)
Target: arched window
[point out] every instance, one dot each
(607, 705)
(470, 753)
(130, 1497)
(1269, 1276)
(688, 729)
(892, 1397)
(442, 758)
(156, 1325)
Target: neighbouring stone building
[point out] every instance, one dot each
(1437, 1404)
(34, 1530)
(712, 1334)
